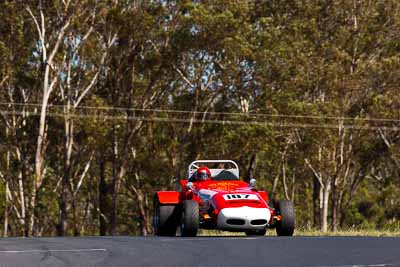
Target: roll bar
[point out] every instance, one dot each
(195, 165)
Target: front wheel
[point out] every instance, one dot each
(166, 219)
(285, 227)
(190, 218)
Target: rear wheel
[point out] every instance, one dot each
(166, 218)
(285, 227)
(190, 218)
(256, 232)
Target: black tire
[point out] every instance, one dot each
(256, 232)
(190, 218)
(166, 219)
(285, 227)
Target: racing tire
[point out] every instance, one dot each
(190, 218)
(166, 219)
(256, 232)
(285, 227)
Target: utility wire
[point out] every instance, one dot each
(207, 121)
(204, 113)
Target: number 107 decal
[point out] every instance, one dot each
(229, 197)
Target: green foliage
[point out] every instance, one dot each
(311, 68)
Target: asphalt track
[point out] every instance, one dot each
(200, 251)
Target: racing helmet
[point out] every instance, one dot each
(203, 173)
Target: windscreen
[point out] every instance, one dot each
(220, 171)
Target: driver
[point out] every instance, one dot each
(202, 174)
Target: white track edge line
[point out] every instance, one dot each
(52, 250)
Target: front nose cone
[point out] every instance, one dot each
(243, 218)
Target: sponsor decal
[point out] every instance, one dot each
(230, 197)
(222, 185)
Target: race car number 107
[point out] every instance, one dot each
(240, 197)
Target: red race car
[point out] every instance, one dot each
(213, 197)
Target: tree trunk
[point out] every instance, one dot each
(114, 205)
(5, 231)
(294, 187)
(86, 214)
(32, 205)
(63, 229)
(39, 156)
(75, 218)
(144, 213)
(22, 175)
(325, 206)
(335, 208)
(7, 190)
(275, 183)
(251, 168)
(102, 198)
(114, 186)
(316, 202)
(285, 187)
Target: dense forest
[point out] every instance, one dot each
(104, 102)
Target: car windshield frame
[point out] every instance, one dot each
(219, 169)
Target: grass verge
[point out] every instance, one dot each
(316, 232)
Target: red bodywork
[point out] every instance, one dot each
(210, 195)
(169, 197)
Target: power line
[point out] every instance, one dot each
(205, 113)
(207, 121)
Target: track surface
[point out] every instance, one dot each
(201, 251)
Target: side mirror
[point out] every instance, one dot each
(252, 183)
(189, 185)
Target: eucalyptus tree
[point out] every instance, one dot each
(322, 62)
(17, 74)
(137, 78)
(86, 48)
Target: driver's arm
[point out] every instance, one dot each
(193, 178)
